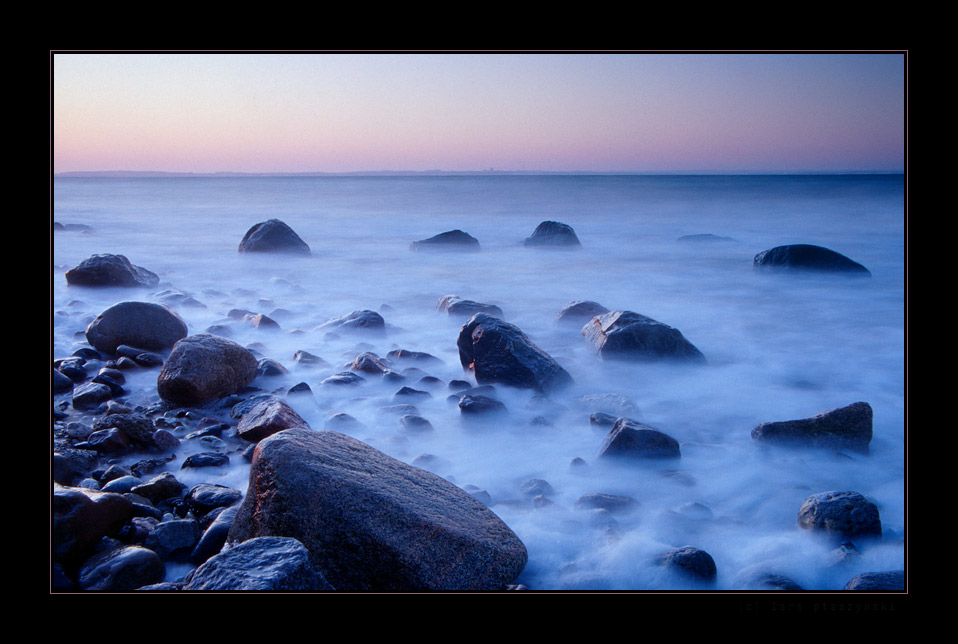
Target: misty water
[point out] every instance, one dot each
(778, 346)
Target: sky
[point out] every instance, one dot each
(551, 112)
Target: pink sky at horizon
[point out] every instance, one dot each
(323, 112)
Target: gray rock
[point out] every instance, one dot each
(90, 395)
(693, 562)
(267, 417)
(144, 325)
(453, 239)
(170, 537)
(625, 335)
(371, 522)
(499, 352)
(159, 488)
(807, 257)
(454, 305)
(259, 564)
(579, 312)
(841, 515)
(110, 270)
(121, 569)
(848, 427)
(214, 536)
(364, 320)
(81, 518)
(890, 580)
(206, 497)
(205, 367)
(631, 439)
(613, 503)
(553, 233)
(273, 236)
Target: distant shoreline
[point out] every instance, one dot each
(133, 174)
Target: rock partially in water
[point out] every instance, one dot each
(847, 427)
(373, 523)
(631, 439)
(205, 367)
(691, 561)
(81, 518)
(267, 417)
(553, 233)
(807, 257)
(144, 325)
(499, 352)
(110, 270)
(454, 305)
(449, 240)
(363, 320)
(889, 580)
(625, 335)
(121, 569)
(579, 312)
(841, 515)
(260, 564)
(273, 236)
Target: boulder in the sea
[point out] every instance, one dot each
(454, 305)
(371, 522)
(267, 417)
(204, 367)
(110, 270)
(704, 238)
(553, 233)
(265, 563)
(499, 352)
(144, 325)
(624, 335)
(847, 427)
(840, 514)
(887, 580)
(452, 239)
(579, 312)
(807, 257)
(691, 561)
(273, 236)
(362, 320)
(630, 439)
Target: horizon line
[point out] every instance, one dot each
(231, 173)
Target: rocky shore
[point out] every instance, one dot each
(324, 511)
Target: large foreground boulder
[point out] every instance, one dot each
(450, 240)
(204, 367)
(553, 233)
(273, 236)
(807, 257)
(144, 325)
(110, 270)
(499, 352)
(370, 522)
(842, 515)
(624, 335)
(844, 428)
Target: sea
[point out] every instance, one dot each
(779, 346)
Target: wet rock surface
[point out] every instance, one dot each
(807, 257)
(273, 236)
(110, 270)
(625, 335)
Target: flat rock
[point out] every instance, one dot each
(373, 523)
(362, 320)
(451, 240)
(889, 580)
(625, 335)
(273, 236)
(807, 257)
(847, 427)
(110, 270)
(454, 305)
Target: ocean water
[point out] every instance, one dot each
(779, 347)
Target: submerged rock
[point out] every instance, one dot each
(632, 439)
(841, 515)
(624, 335)
(499, 352)
(807, 257)
(691, 561)
(848, 427)
(144, 325)
(455, 305)
(363, 320)
(553, 233)
(273, 236)
(371, 522)
(110, 270)
(579, 312)
(204, 367)
(890, 580)
(452, 239)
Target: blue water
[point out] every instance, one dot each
(779, 347)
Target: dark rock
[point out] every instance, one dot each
(409, 392)
(159, 488)
(267, 417)
(579, 312)
(602, 419)
(415, 423)
(844, 428)
(454, 305)
(691, 561)
(453, 239)
(415, 356)
(840, 515)
(306, 358)
(614, 503)
(260, 564)
(480, 406)
(553, 233)
(121, 484)
(206, 459)
(144, 325)
(206, 497)
(204, 367)
(499, 352)
(371, 522)
(261, 321)
(172, 537)
(110, 270)
(704, 237)
(269, 368)
(81, 518)
(121, 569)
(771, 581)
(90, 395)
(61, 383)
(890, 580)
(273, 236)
(370, 363)
(624, 335)
(214, 536)
(536, 487)
(807, 257)
(632, 439)
(345, 378)
(367, 321)
(300, 388)
(137, 427)
(108, 441)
